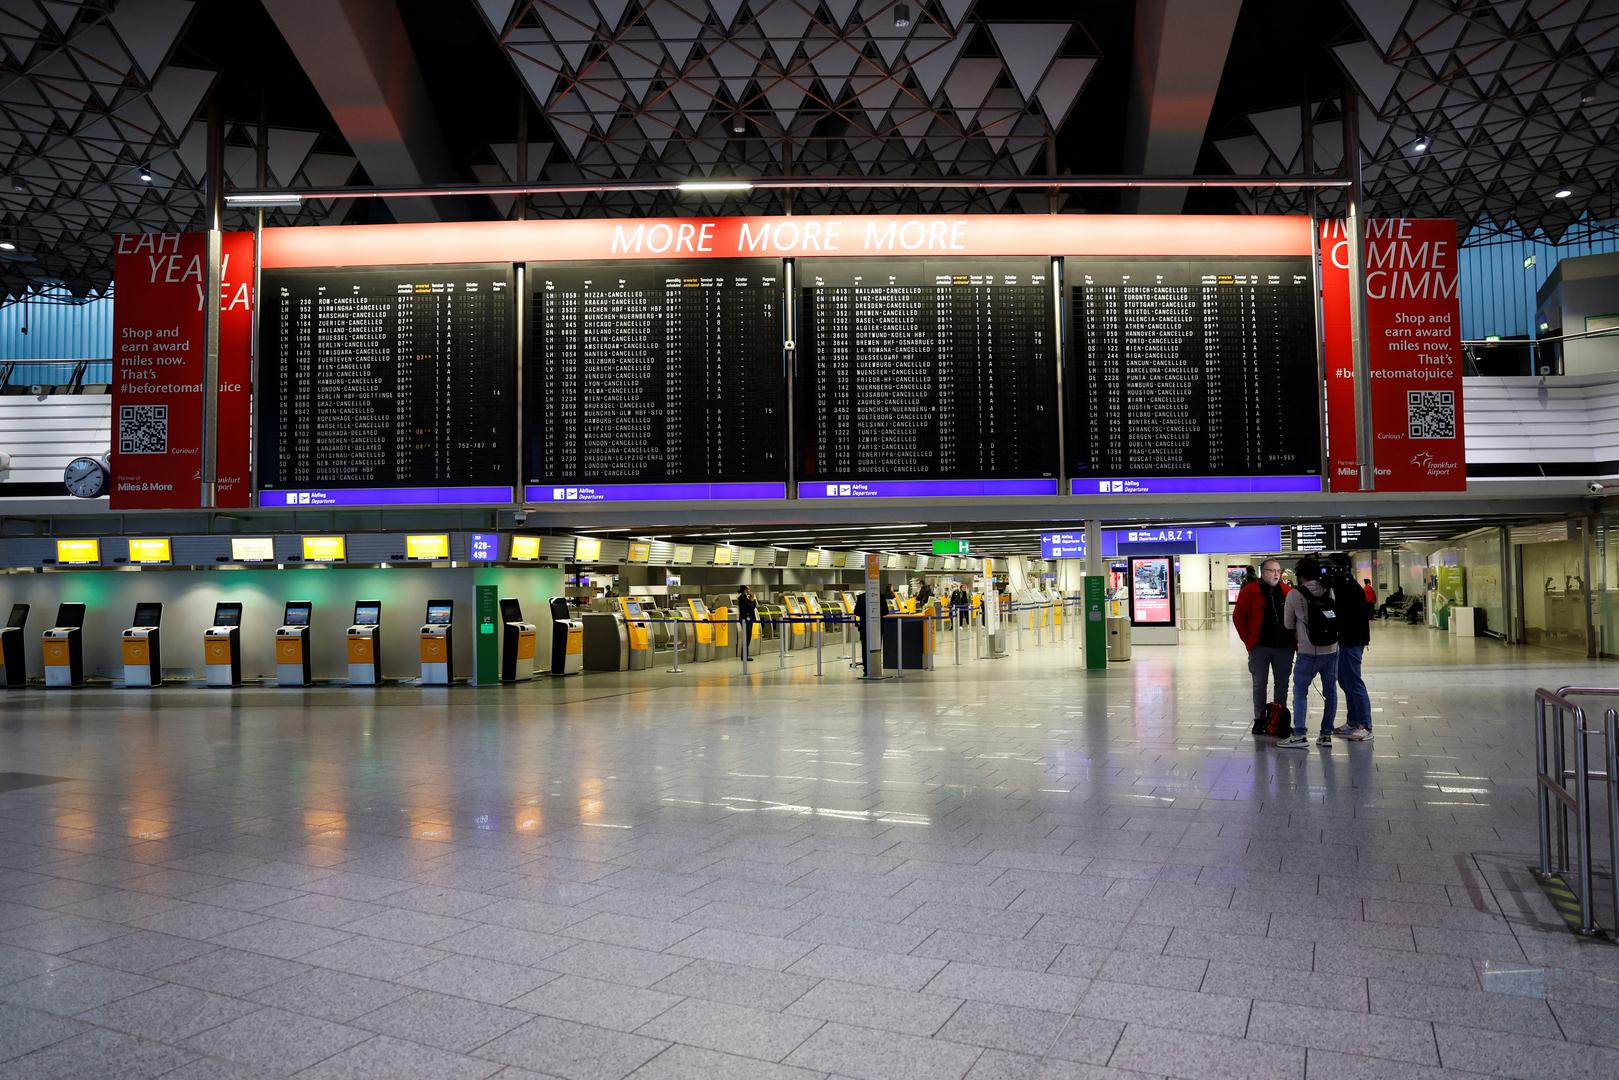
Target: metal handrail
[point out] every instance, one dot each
(1551, 782)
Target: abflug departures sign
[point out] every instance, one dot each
(657, 362)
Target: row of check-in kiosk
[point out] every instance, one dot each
(62, 645)
(625, 638)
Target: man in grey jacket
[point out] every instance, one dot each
(1310, 614)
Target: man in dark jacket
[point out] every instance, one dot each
(1354, 636)
(747, 611)
(1258, 617)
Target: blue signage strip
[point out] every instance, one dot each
(912, 489)
(403, 496)
(1168, 540)
(566, 493)
(1194, 485)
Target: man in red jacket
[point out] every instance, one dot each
(1258, 618)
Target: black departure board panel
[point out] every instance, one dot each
(915, 369)
(647, 373)
(1192, 367)
(396, 377)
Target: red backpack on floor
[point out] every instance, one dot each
(1278, 721)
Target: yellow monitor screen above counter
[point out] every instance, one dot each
(586, 549)
(745, 556)
(78, 552)
(252, 549)
(812, 558)
(722, 556)
(640, 551)
(324, 549)
(149, 549)
(427, 546)
(525, 548)
(683, 555)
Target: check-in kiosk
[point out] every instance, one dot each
(701, 640)
(222, 647)
(364, 640)
(292, 645)
(64, 648)
(637, 634)
(11, 650)
(567, 639)
(516, 643)
(143, 659)
(794, 629)
(434, 645)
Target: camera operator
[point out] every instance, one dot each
(1354, 637)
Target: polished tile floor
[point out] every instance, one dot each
(1006, 869)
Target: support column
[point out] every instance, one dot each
(213, 207)
(1354, 230)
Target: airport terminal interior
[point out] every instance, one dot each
(809, 540)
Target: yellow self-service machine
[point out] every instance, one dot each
(516, 643)
(292, 645)
(222, 646)
(434, 646)
(702, 637)
(11, 650)
(364, 641)
(567, 639)
(63, 646)
(143, 658)
(638, 632)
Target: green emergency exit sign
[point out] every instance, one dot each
(951, 547)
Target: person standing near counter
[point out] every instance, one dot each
(747, 612)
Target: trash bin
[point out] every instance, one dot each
(1118, 638)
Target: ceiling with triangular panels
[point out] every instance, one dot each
(89, 98)
(1516, 100)
(679, 89)
(1510, 101)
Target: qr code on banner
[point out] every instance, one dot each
(1431, 414)
(143, 429)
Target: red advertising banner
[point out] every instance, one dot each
(160, 285)
(233, 434)
(784, 237)
(1413, 341)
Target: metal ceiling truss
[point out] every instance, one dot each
(89, 101)
(690, 88)
(1510, 102)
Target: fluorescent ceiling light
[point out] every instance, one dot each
(271, 200)
(714, 185)
(7, 245)
(1562, 193)
(1420, 145)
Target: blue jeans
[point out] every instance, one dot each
(1357, 702)
(1306, 667)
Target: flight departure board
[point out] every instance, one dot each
(1193, 367)
(388, 378)
(642, 377)
(912, 369)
